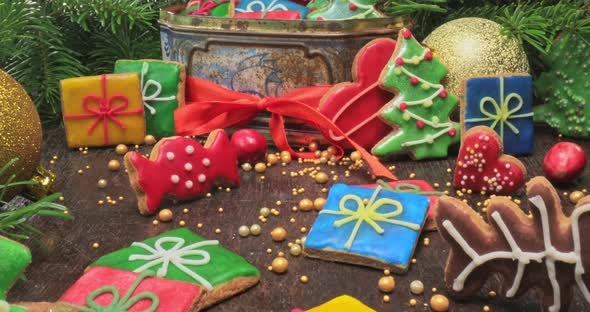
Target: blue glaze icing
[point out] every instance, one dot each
(394, 246)
(245, 6)
(477, 89)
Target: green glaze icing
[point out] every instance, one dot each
(14, 258)
(5, 306)
(159, 108)
(423, 128)
(223, 265)
(344, 10)
(18, 309)
(565, 88)
(221, 10)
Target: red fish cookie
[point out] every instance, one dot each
(482, 167)
(182, 168)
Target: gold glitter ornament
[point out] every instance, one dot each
(20, 133)
(473, 47)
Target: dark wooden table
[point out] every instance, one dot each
(68, 244)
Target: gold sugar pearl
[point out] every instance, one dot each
(61, 198)
(306, 204)
(304, 279)
(386, 284)
(182, 223)
(200, 225)
(102, 183)
(264, 211)
(386, 272)
(322, 177)
(121, 149)
(303, 230)
(217, 231)
(416, 287)
(272, 159)
(278, 234)
(244, 231)
(356, 156)
(246, 167)
(280, 265)
(313, 146)
(80, 171)
(260, 167)
(155, 222)
(386, 299)
(114, 165)
(95, 245)
(575, 196)
(426, 241)
(286, 157)
(413, 302)
(492, 294)
(220, 210)
(295, 250)
(319, 203)
(268, 251)
(165, 215)
(486, 308)
(439, 303)
(149, 139)
(255, 229)
(185, 210)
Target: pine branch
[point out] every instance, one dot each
(403, 7)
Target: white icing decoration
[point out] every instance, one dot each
(175, 256)
(206, 162)
(550, 255)
(189, 149)
(188, 184)
(188, 167)
(170, 155)
(154, 96)
(175, 179)
(202, 178)
(273, 6)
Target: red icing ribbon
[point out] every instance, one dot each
(205, 7)
(211, 106)
(105, 112)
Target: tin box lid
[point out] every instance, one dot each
(170, 17)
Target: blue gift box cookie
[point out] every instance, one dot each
(245, 6)
(368, 226)
(503, 103)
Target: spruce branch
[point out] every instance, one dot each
(402, 7)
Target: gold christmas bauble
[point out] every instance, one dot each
(20, 132)
(473, 47)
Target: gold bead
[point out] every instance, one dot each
(200, 225)
(165, 215)
(95, 245)
(356, 156)
(264, 211)
(416, 287)
(413, 302)
(244, 231)
(272, 159)
(155, 222)
(386, 299)
(285, 157)
(486, 308)
(575, 196)
(114, 165)
(149, 139)
(306, 204)
(321, 177)
(278, 234)
(386, 284)
(102, 183)
(439, 303)
(260, 167)
(255, 229)
(121, 149)
(246, 167)
(295, 250)
(492, 294)
(280, 265)
(217, 231)
(304, 279)
(319, 203)
(313, 146)
(182, 223)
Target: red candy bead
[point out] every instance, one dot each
(453, 132)
(352, 7)
(312, 10)
(443, 94)
(407, 34)
(399, 61)
(403, 106)
(420, 124)
(428, 56)
(320, 18)
(414, 81)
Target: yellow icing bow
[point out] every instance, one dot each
(503, 113)
(367, 212)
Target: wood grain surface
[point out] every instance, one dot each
(67, 246)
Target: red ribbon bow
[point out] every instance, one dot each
(211, 106)
(105, 112)
(204, 7)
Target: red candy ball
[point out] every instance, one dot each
(250, 146)
(564, 162)
(414, 80)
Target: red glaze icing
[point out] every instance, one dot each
(175, 296)
(354, 107)
(272, 15)
(423, 185)
(481, 166)
(184, 174)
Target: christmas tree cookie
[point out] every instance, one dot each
(162, 89)
(218, 8)
(184, 256)
(368, 226)
(265, 6)
(565, 88)
(420, 111)
(14, 258)
(342, 303)
(343, 10)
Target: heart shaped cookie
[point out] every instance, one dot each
(482, 166)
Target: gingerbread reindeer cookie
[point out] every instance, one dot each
(548, 252)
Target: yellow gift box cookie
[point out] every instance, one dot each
(103, 110)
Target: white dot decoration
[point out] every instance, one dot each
(202, 178)
(206, 162)
(188, 184)
(189, 149)
(170, 155)
(188, 167)
(175, 179)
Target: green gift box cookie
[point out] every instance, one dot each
(163, 90)
(14, 259)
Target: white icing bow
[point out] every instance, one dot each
(154, 96)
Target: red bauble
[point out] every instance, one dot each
(564, 162)
(250, 146)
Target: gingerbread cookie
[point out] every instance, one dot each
(342, 303)
(14, 259)
(358, 225)
(34, 307)
(503, 103)
(268, 6)
(181, 255)
(419, 113)
(218, 8)
(546, 252)
(182, 168)
(162, 89)
(344, 10)
(482, 167)
(354, 107)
